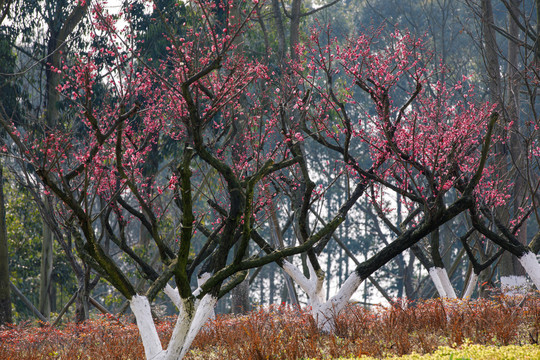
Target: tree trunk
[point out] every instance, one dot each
(279, 29)
(490, 53)
(5, 296)
(261, 289)
(328, 273)
(438, 272)
(531, 266)
(272, 286)
(46, 270)
(511, 271)
(27, 302)
(240, 298)
(296, 6)
(192, 316)
(82, 304)
(59, 31)
(506, 265)
(51, 119)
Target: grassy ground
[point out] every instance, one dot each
(496, 329)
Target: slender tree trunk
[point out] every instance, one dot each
(272, 286)
(408, 278)
(328, 274)
(59, 31)
(5, 296)
(52, 298)
(340, 268)
(240, 298)
(295, 26)
(278, 22)
(400, 278)
(490, 53)
(261, 289)
(82, 304)
(46, 270)
(27, 302)
(51, 114)
(495, 91)
(511, 271)
(51, 118)
(485, 277)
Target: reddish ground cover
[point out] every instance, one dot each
(282, 332)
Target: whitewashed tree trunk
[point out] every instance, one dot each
(532, 267)
(203, 312)
(471, 285)
(323, 311)
(147, 329)
(200, 281)
(513, 285)
(193, 314)
(190, 321)
(173, 295)
(447, 285)
(440, 279)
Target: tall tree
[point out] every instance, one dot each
(9, 107)
(46, 50)
(508, 51)
(5, 297)
(61, 25)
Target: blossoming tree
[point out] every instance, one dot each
(232, 135)
(424, 145)
(221, 148)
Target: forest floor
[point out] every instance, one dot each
(447, 330)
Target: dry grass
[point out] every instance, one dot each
(282, 332)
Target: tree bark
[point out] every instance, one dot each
(279, 28)
(506, 266)
(240, 298)
(45, 283)
(295, 27)
(511, 270)
(5, 296)
(59, 31)
(272, 286)
(83, 297)
(28, 303)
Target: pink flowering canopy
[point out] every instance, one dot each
(424, 138)
(230, 133)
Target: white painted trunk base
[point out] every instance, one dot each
(323, 311)
(190, 320)
(434, 275)
(200, 281)
(204, 311)
(471, 285)
(532, 267)
(447, 285)
(514, 285)
(440, 279)
(188, 324)
(147, 329)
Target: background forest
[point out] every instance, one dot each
(57, 55)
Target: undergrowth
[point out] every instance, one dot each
(283, 332)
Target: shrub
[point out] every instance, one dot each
(452, 328)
